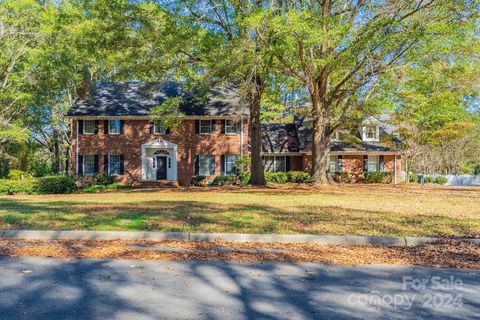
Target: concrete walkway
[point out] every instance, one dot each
(45, 288)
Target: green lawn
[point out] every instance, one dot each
(350, 209)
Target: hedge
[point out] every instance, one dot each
(226, 180)
(378, 177)
(10, 187)
(298, 177)
(276, 177)
(56, 184)
(441, 180)
(341, 177)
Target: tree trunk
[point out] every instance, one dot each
(320, 141)
(257, 176)
(56, 153)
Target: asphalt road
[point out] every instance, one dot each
(44, 288)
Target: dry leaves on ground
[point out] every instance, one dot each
(444, 253)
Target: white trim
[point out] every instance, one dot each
(147, 160)
(241, 137)
(76, 150)
(83, 127)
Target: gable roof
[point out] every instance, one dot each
(297, 137)
(135, 99)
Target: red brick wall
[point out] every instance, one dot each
(353, 164)
(136, 133)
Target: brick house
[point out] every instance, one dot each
(112, 133)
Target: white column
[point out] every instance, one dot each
(144, 169)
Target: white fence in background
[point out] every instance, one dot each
(460, 179)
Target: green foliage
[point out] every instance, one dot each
(476, 171)
(378, 177)
(198, 181)
(11, 187)
(298, 177)
(244, 178)
(243, 164)
(113, 186)
(428, 179)
(341, 177)
(15, 174)
(276, 177)
(226, 180)
(413, 177)
(441, 180)
(104, 179)
(168, 113)
(56, 185)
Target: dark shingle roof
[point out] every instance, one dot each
(297, 137)
(134, 99)
(278, 138)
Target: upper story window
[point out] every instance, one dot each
(231, 126)
(159, 128)
(206, 126)
(114, 126)
(89, 127)
(370, 133)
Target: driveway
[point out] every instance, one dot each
(45, 288)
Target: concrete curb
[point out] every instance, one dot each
(229, 237)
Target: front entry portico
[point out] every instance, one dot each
(159, 161)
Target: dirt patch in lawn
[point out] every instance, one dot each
(445, 253)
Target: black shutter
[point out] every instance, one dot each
(95, 164)
(223, 126)
(197, 165)
(122, 164)
(238, 127)
(212, 165)
(105, 164)
(121, 126)
(80, 126)
(212, 126)
(96, 126)
(167, 131)
(365, 163)
(106, 128)
(197, 126)
(340, 163)
(381, 160)
(287, 163)
(80, 165)
(151, 127)
(222, 162)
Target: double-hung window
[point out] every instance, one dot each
(230, 164)
(275, 163)
(88, 126)
(159, 128)
(373, 163)
(231, 126)
(114, 164)
(334, 164)
(89, 165)
(205, 126)
(204, 164)
(114, 126)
